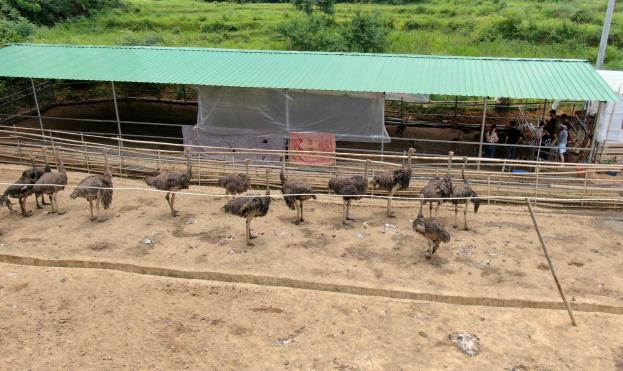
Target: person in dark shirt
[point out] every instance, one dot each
(513, 137)
(546, 141)
(552, 123)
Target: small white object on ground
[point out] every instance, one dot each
(467, 342)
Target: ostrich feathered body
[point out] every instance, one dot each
(235, 183)
(89, 187)
(387, 181)
(352, 188)
(248, 206)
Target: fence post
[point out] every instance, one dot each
(585, 183)
(86, 153)
(19, 147)
(489, 189)
(53, 147)
(199, 166)
(159, 162)
(536, 183)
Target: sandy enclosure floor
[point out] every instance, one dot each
(499, 258)
(59, 318)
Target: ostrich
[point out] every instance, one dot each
(51, 183)
(433, 230)
(23, 188)
(438, 187)
(464, 190)
(236, 183)
(294, 187)
(249, 208)
(393, 181)
(96, 188)
(36, 173)
(352, 188)
(172, 181)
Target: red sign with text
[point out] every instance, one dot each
(311, 141)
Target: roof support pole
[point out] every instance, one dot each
(120, 142)
(34, 93)
(600, 109)
(482, 131)
(603, 43)
(382, 127)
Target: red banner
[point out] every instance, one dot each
(311, 141)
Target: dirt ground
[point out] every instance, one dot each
(59, 318)
(168, 323)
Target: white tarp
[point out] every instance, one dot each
(227, 111)
(611, 117)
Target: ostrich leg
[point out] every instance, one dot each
(298, 212)
(437, 209)
(456, 212)
(344, 213)
(37, 201)
(427, 252)
(168, 199)
(98, 201)
(91, 208)
(59, 212)
(390, 213)
(302, 220)
(173, 211)
(430, 208)
(248, 231)
(348, 210)
(467, 201)
(22, 205)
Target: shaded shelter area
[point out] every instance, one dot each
(311, 74)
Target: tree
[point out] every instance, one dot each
(313, 32)
(367, 33)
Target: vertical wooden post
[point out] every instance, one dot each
(17, 142)
(482, 131)
(120, 137)
(489, 189)
(585, 183)
(53, 147)
(199, 166)
(86, 153)
(372, 191)
(549, 262)
(450, 154)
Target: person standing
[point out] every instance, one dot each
(552, 123)
(513, 137)
(562, 142)
(546, 142)
(492, 139)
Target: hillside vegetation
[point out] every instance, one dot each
(569, 29)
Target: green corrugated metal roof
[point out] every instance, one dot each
(391, 73)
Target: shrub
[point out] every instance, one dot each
(367, 32)
(313, 32)
(219, 26)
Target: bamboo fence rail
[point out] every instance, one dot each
(135, 159)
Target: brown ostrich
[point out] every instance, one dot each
(433, 230)
(235, 183)
(393, 181)
(51, 183)
(249, 208)
(464, 190)
(23, 188)
(294, 187)
(437, 189)
(98, 188)
(351, 188)
(172, 181)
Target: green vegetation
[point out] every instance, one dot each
(515, 28)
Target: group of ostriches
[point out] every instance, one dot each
(98, 189)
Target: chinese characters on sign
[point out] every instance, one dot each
(311, 141)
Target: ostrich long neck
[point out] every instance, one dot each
(282, 174)
(267, 183)
(107, 173)
(189, 166)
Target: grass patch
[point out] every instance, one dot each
(516, 28)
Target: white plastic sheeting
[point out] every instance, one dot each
(610, 127)
(225, 111)
(230, 146)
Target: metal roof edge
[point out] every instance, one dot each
(268, 51)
